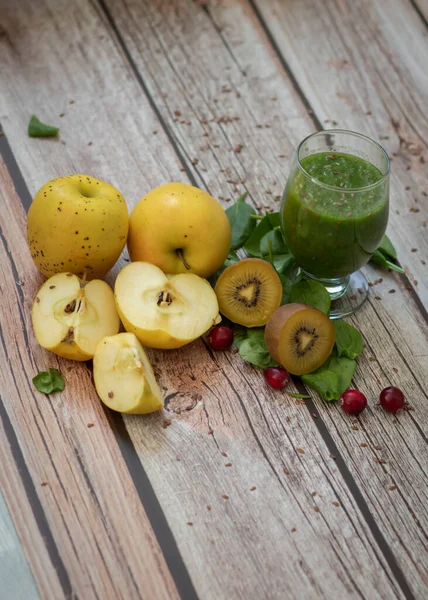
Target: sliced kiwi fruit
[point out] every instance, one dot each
(299, 337)
(248, 292)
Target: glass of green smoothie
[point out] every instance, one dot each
(334, 212)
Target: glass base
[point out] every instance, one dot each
(348, 294)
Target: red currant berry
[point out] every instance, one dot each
(220, 337)
(276, 377)
(353, 402)
(392, 399)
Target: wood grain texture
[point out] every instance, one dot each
(215, 90)
(238, 548)
(100, 529)
(13, 566)
(422, 7)
(366, 71)
(245, 80)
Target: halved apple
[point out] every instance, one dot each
(124, 377)
(164, 311)
(70, 317)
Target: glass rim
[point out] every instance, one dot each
(327, 186)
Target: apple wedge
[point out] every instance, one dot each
(70, 317)
(124, 377)
(164, 311)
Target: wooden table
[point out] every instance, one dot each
(247, 494)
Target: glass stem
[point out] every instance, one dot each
(335, 287)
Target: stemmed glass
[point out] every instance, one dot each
(334, 212)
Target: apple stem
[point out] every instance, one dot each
(83, 282)
(180, 255)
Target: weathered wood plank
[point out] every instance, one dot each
(242, 78)
(422, 7)
(238, 548)
(14, 570)
(362, 66)
(105, 543)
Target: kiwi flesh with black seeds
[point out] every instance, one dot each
(248, 292)
(299, 337)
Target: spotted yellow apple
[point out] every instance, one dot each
(77, 224)
(180, 229)
(124, 377)
(70, 317)
(164, 311)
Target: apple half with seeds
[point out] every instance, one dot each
(164, 311)
(70, 317)
(124, 377)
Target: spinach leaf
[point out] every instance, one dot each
(282, 262)
(344, 368)
(381, 259)
(325, 382)
(239, 335)
(38, 129)
(256, 333)
(293, 395)
(48, 382)
(267, 224)
(332, 378)
(286, 287)
(349, 342)
(312, 293)
(387, 248)
(253, 349)
(241, 223)
(277, 243)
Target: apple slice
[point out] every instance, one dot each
(164, 311)
(70, 317)
(124, 377)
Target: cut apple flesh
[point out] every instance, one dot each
(123, 376)
(164, 311)
(69, 319)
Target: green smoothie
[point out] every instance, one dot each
(333, 231)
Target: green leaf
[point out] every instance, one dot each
(381, 259)
(344, 368)
(38, 129)
(325, 382)
(332, 378)
(387, 248)
(48, 382)
(253, 349)
(298, 395)
(286, 287)
(241, 223)
(256, 333)
(268, 223)
(230, 260)
(282, 262)
(239, 335)
(312, 293)
(276, 243)
(349, 341)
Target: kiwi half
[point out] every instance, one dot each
(248, 292)
(299, 337)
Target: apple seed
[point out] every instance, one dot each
(69, 338)
(70, 307)
(164, 298)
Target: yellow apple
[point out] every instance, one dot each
(70, 318)
(164, 311)
(181, 229)
(124, 377)
(77, 224)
